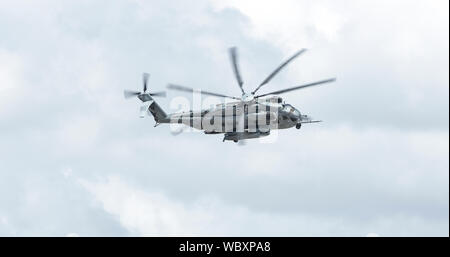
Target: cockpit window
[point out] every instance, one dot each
(280, 100)
(289, 108)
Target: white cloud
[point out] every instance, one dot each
(378, 163)
(390, 58)
(148, 213)
(290, 24)
(11, 80)
(79, 133)
(154, 214)
(10, 70)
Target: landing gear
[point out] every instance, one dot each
(298, 126)
(235, 141)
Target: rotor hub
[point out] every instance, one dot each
(247, 97)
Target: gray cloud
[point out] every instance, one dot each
(379, 164)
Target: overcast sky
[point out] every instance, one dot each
(76, 159)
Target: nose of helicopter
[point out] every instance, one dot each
(292, 113)
(295, 116)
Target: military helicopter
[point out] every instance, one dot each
(247, 117)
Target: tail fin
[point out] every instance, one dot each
(150, 106)
(158, 113)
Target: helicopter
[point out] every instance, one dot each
(247, 117)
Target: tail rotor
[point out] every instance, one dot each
(132, 93)
(144, 96)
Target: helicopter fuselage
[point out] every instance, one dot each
(241, 119)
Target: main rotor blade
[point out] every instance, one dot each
(129, 93)
(233, 56)
(144, 80)
(298, 87)
(191, 90)
(162, 94)
(278, 69)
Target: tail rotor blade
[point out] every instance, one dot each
(144, 80)
(233, 56)
(128, 93)
(161, 94)
(278, 69)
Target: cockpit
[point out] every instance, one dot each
(290, 109)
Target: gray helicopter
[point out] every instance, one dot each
(246, 117)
